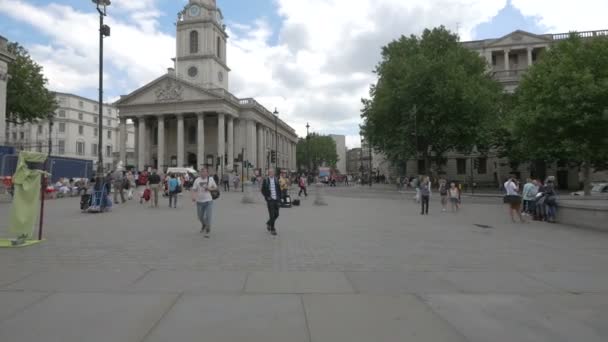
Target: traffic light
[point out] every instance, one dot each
(273, 157)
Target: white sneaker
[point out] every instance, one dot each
(444, 210)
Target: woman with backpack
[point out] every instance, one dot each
(174, 187)
(550, 200)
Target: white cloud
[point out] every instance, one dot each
(136, 52)
(562, 16)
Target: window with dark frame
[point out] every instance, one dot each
(482, 168)
(194, 42)
(461, 166)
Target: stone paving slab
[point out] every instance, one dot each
(580, 282)
(496, 282)
(91, 317)
(298, 282)
(395, 283)
(589, 309)
(13, 302)
(354, 318)
(207, 282)
(259, 318)
(508, 318)
(89, 280)
(10, 275)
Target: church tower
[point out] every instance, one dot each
(201, 45)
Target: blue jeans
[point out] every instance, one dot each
(204, 211)
(173, 199)
(551, 211)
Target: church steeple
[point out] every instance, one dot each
(201, 45)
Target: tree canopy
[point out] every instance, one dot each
(28, 99)
(319, 148)
(433, 95)
(561, 106)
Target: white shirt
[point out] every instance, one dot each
(273, 189)
(201, 187)
(511, 188)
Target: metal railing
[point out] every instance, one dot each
(584, 34)
(508, 75)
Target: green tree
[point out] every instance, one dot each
(28, 99)
(433, 95)
(319, 149)
(561, 110)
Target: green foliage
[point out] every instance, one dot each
(28, 99)
(433, 95)
(562, 105)
(319, 149)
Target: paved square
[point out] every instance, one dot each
(366, 267)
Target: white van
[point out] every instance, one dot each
(181, 171)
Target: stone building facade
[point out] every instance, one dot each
(75, 132)
(5, 59)
(188, 117)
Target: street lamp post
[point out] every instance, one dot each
(307, 149)
(104, 31)
(276, 140)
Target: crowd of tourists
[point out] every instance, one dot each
(536, 200)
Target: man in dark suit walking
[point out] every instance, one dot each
(271, 190)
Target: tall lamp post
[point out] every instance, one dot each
(276, 140)
(104, 31)
(307, 149)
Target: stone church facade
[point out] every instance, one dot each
(188, 117)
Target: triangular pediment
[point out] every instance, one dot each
(519, 37)
(167, 89)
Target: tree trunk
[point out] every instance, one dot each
(587, 176)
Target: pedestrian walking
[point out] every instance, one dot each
(226, 181)
(174, 186)
(202, 193)
(236, 180)
(302, 185)
(425, 195)
(271, 190)
(513, 199)
(443, 192)
(454, 195)
(154, 183)
(118, 182)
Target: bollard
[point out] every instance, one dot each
(247, 195)
(320, 195)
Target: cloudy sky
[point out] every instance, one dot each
(310, 58)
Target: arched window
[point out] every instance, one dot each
(219, 47)
(194, 42)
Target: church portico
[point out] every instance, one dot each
(188, 118)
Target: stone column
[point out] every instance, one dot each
(260, 147)
(123, 141)
(230, 165)
(141, 154)
(180, 140)
(507, 66)
(136, 126)
(251, 142)
(530, 56)
(221, 142)
(161, 143)
(238, 139)
(200, 140)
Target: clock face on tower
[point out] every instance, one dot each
(192, 71)
(194, 11)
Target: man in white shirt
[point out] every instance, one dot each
(201, 194)
(271, 190)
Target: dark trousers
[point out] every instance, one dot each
(273, 212)
(303, 189)
(173, 199)
(424, 200)
(226, 186)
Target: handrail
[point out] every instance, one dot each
(584, 34)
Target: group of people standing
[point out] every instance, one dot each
(539, 200)
(451, 194)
